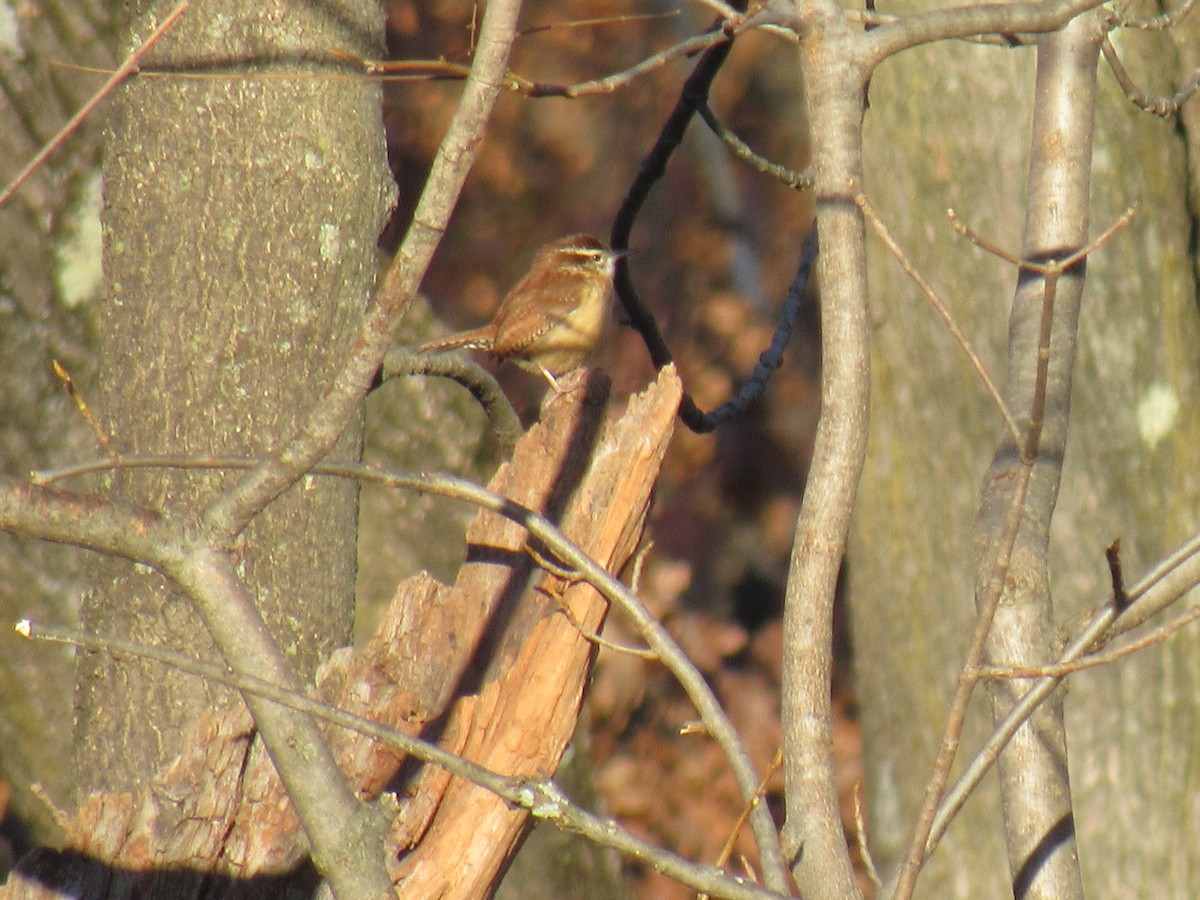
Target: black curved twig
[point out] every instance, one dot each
(771, 358)
(692, 98)
(695, 90)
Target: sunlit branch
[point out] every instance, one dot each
(969, 21)
(800, 181)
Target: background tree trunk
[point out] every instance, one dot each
(949, 127)
(50, 280)
(273, 188)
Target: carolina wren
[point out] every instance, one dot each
(554, 316)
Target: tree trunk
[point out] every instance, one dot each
(240, 220)
(1130, 459)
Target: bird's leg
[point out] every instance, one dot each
(554, 385)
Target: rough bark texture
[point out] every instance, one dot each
(239, 251)
(948, 127)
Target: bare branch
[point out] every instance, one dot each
(834, 89)
(873, 19)
(445, 70)
(694, 95)
(333, 819)
(729, 29)
(920, 847)
(716, 722)
(860, 836)
(1112, 554)
(771, 358)
(653, 167)
(799, 181)
(1159, 106)
(591, 23)
(85, 411)
(476, 379)
(1164, 585)
(968, 21)
(1160, 22)
(1094, 660)
(1012, 565)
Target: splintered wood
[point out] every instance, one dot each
(492, 668)
(516, 661)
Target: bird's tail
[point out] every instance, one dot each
(477, 339)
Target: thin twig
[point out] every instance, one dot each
(122, 72)
(943, 311)
(774, 766)
(84, 409)
(367, 69)
(506, 425)
(798, 181)
(1051, 271)
(322, 426)
(1159, 106)
(919, 846)
(639, 561)
(592, 23)
(571, 576)
(771, 358)
(1094, 660)
(1166, 583)
(860, 837)
(931, 817)
(694, 91)
(693, 45)
(727, 849)
(980, 241)
(1050, 266)
(445, 70)
(593, 638)
(1112, 555)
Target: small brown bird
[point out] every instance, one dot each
(554, 316)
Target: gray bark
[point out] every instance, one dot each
(949, 127)
(239, 253)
